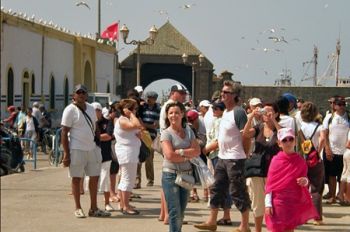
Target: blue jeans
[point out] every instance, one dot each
(176, 199)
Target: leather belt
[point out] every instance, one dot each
(176, 171)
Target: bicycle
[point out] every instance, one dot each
(46, 140)
(56, 153)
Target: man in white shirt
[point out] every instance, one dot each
(80, 153)
(336, 127)
(229, 170)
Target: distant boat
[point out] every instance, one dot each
(286, 78)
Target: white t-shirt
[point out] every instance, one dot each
(81, 136)
(308, 128)
(127, 146)
(30, 124)
(230, 138)
(287, 122)
(338, 131)
(208, 120)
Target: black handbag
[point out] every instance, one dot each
(144, 152)
(255, 166)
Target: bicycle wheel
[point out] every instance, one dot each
(52, 158)
(46, 143)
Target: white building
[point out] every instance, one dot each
(43, 63)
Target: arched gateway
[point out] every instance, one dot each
(163, 60)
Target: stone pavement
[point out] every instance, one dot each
(38, 200)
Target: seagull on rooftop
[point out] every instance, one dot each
(82, 3)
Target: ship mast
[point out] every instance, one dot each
(337, 48)
(315, 65)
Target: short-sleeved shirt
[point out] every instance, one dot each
(178, 143)
(149, 115)
(106, 127)
(81, 135)
(338, 131)
(308, 128)
(213, 136)
(230, 138)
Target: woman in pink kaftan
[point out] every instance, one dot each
(288, 201)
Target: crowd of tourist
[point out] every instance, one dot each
(271, 158)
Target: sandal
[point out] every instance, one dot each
(224, 222)
(98, 213)
(79, 213)
(133, 212)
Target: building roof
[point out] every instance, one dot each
(169, 41)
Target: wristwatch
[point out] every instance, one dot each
(181, 152)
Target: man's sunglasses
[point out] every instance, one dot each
(226, 92)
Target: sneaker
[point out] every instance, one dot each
(98, 213)
(79, 213)
(109, 208)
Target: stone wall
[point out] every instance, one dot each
(318, 95)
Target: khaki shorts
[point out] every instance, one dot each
(256, 189)
(85, 163)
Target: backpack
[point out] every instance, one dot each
(308, 149)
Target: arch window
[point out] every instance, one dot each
(52, 92)
(108, 88)
(33, 83)
(66, 91)
(10, 88)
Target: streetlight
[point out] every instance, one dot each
(149, 41)
(193, 65)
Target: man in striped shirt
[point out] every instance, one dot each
(149, 114)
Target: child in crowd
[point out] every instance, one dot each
(288, 201)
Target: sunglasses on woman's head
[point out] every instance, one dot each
(80, 92)
(288, 139)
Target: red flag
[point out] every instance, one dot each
(111, 32)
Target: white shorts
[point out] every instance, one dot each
(104, 180)
(85, 163)
(345, 176)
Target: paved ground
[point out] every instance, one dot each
(38, 200)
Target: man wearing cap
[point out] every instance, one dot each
(229, 170)
(80, 153)
(178, 93)
(336, 128)
(149, 114)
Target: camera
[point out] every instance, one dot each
(262, 111)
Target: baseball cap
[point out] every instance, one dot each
(138, 88)
(204, 103)
(255, 101)
(152, 94)
(105, 112)
(97, 106)
(285, 133)
(80, 87)
(219, 105)
(36, 104)
(178, 87)
(290, 97)
(192, 115)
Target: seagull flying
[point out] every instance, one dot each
(187, 6)
(276, 39)
(82, 3)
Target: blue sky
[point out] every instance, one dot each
(225, 31)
